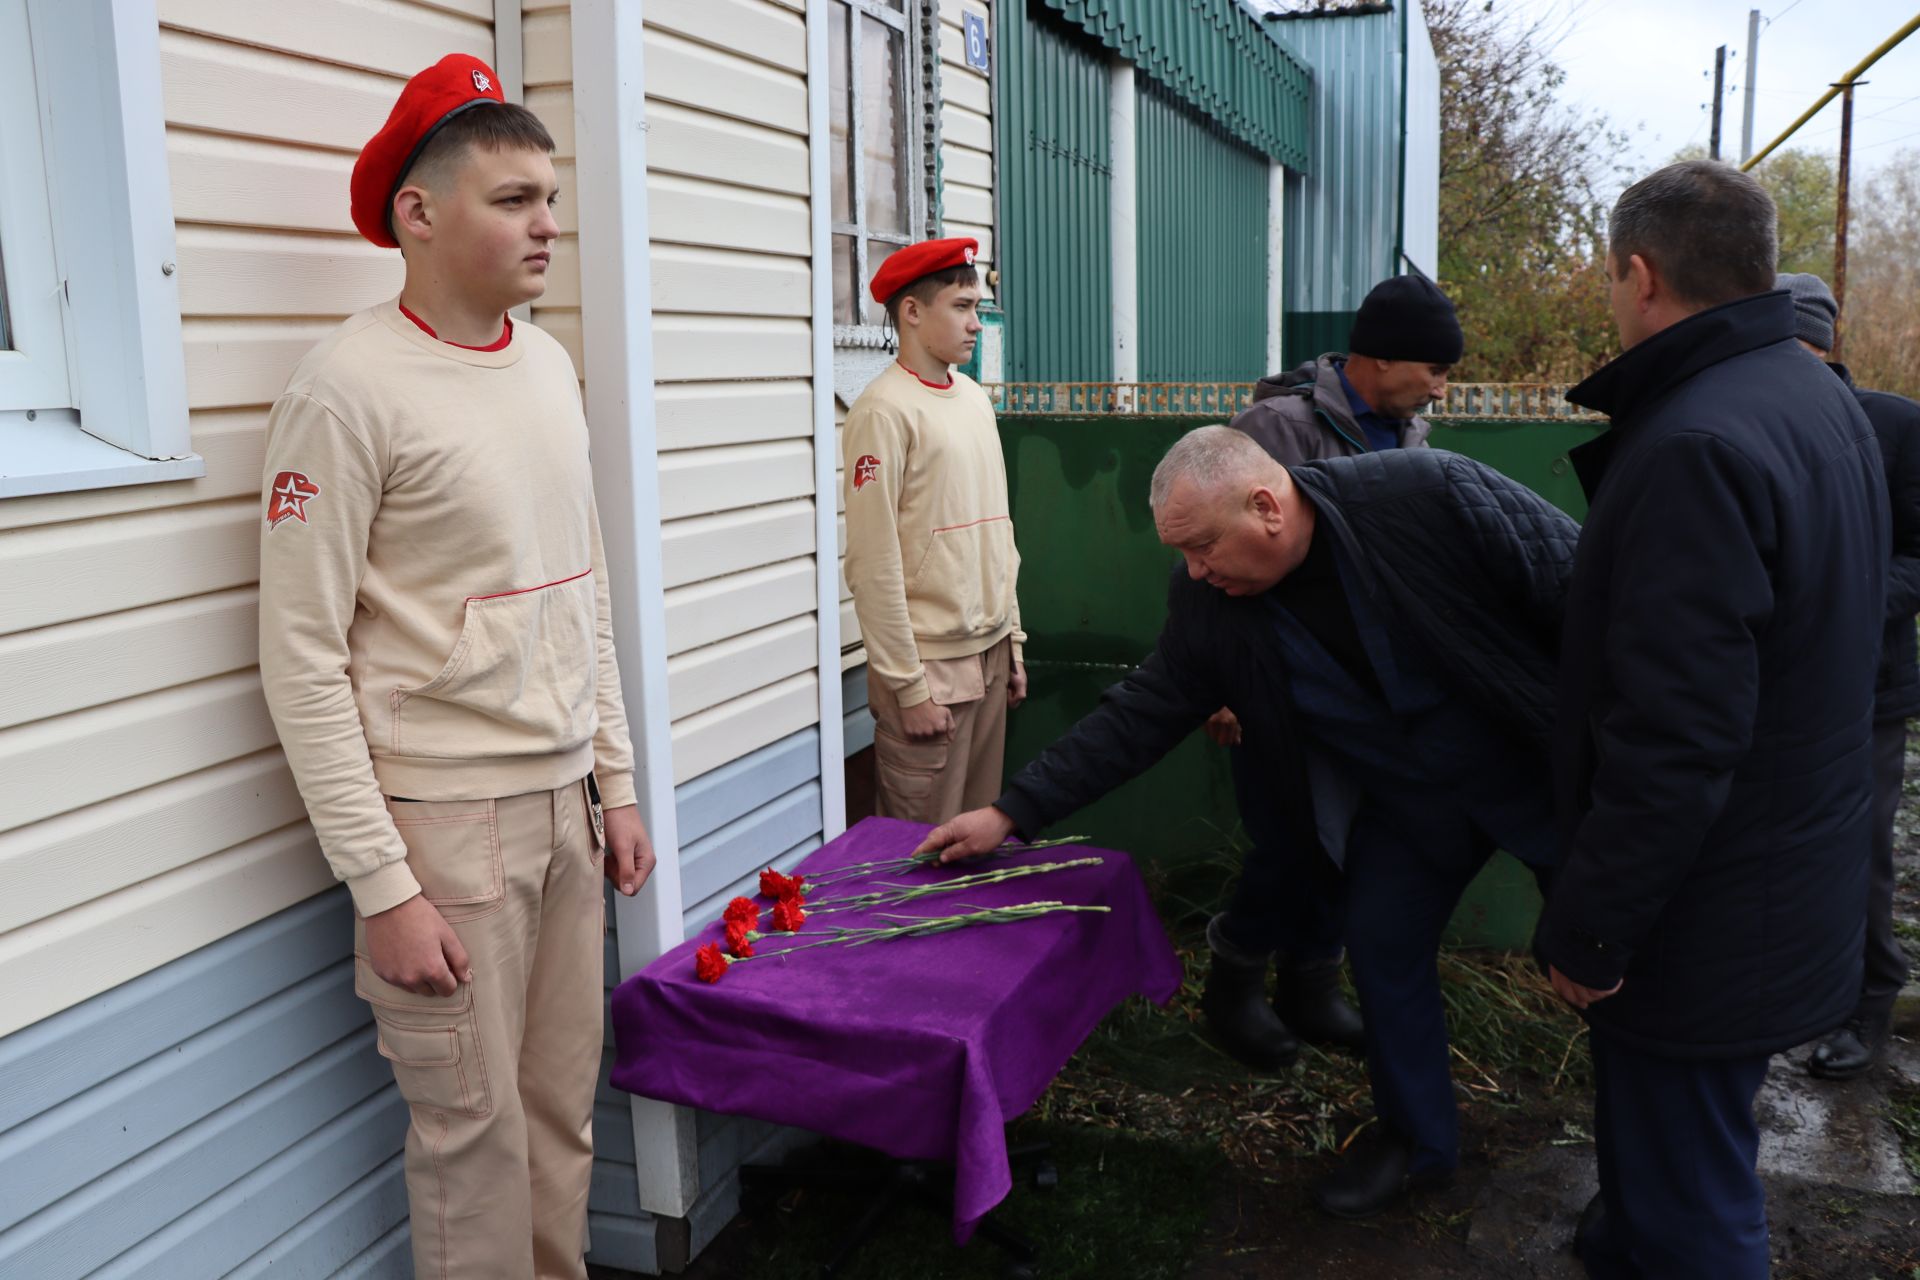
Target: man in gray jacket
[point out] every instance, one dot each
(1405, 340)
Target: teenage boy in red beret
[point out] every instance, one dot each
(930, 553)
(437, 653)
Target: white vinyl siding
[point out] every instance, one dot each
(966, 133)
(728, 207)
(136, 731)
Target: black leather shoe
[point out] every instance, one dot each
(1310, 1002)
(1851, 1051)
(1235, 1002)
(1373, 1177)
(1590, 1235)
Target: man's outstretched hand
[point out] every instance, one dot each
(970, 835)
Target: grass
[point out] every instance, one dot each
(1903, 1110)
(1091, 1226)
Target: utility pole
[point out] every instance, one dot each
(1752, 72)
(1840, 215)
(1719, 96)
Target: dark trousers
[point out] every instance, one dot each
(1886, 962)
(1403, 883)
(1288, 898)
(1677, 1142)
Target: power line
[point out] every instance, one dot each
(1784, 12)
(1887, 142)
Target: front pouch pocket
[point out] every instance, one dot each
(453, 850)
(433, 1043)
(521, 678)
(965, 579)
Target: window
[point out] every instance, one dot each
(879, 152)
(92, 376)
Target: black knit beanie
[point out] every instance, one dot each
(1407, 318)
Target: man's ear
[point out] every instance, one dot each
(908, 311)
(1646, 281)
(1266, 505)
(413, 213)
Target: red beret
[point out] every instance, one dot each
(435, 96)
(922, 259)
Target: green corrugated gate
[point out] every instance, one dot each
(1203, 247)
(1056, 166)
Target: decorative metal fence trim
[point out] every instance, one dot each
(1473, 401)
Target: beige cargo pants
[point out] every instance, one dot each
(933, 781)
(500, 1076)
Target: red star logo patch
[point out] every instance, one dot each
(289, 497)
(866, 468)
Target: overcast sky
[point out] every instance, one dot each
(1648, 64)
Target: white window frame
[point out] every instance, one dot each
(89, 241)
(907, 21)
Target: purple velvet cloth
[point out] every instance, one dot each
(922, 1048)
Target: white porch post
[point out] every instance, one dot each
(826, 523)
(616, 323)
(1123, 221)
(1276, 261)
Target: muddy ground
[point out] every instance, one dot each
(1236, 1155)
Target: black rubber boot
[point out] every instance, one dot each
(1309, 1001)
(1235, 1003)
(1852, 1050)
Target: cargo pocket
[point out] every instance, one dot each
(433, 1043)
(524, 669)
(908, 769)
(453, 850)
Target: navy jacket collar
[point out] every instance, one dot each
(1642, 375)
(1637, 378)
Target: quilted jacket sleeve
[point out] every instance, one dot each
(1138, 721)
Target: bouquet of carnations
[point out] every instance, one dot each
(791, 907)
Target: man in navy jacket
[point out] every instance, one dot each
(1853, 1049)
(1387, 629)
(1713, 748)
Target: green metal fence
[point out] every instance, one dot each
(1202, 220)
(1092, 595)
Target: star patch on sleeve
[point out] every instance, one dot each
(289, 497)
(866, 468)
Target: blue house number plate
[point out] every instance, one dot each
(975, 27)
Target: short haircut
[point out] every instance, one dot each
(928, 287)
(506, 126)
(1211, 459)
(1707, 227)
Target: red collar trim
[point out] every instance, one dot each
(937, 386)
(498, 344)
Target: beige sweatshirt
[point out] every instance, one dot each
(434, 619)
(930, 553)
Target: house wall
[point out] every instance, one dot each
(190, 1086)
(729, 213)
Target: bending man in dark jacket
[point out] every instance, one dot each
(1714, 744)
(1387, 629)
(1404, 341)
(1855, 1047)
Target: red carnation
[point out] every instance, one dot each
(740, 938)
(788, 915)
(743, 910)
(774, 885)
(709, 965)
